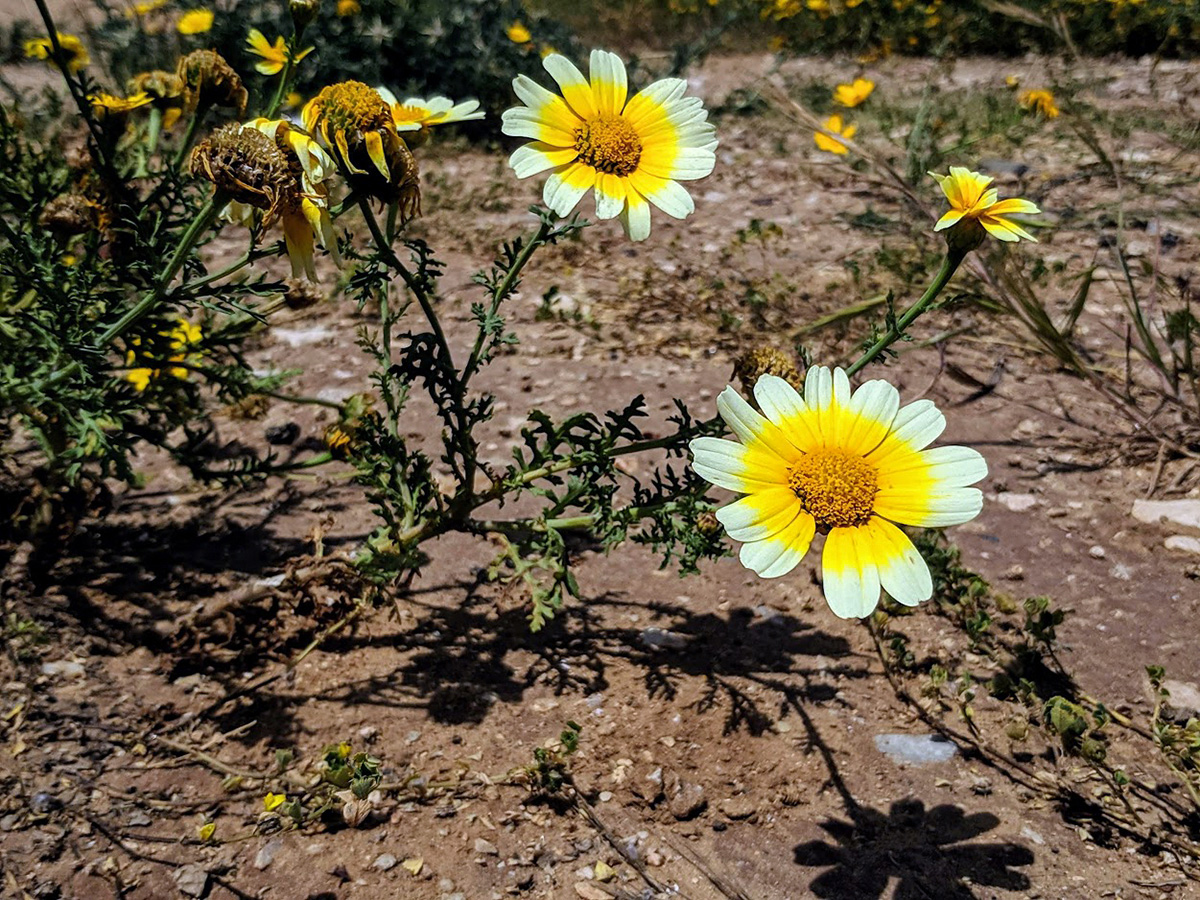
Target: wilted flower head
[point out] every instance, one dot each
(165, 90)
(415, 116)
(356, 125)
(70, 214)
(268, 166)
(208, 80)
(630, 151)
(976, 210)
(74, 55)
(755, 363)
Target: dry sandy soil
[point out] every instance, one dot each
(740, 759)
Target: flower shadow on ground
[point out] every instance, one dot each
(924, 851)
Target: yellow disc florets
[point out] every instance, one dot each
(351, 107)
(836, 487)
(609, 144)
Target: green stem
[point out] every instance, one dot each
(204, 218)
(418, 291)
(569, 462)
(285, 77)
(81, 101)
(188, 136)
(499, 294)
(949, 266)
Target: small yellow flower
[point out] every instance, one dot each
(853, 94)
(518, 33)
(106, 105)
(272, 802)
(274, 55)
(144, 9)
(631, 151)
(75, 55)
(973, 204)
(206, 831)
(292, 99)
(832, 144)
(1039, 102)
(179, 339)
(195, 21)
(348, 8)
(850, 465)
(1012, 80)
(414, 116)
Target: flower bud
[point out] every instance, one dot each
(964, 236)
(304, 12)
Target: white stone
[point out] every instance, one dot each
(1177, 512)
(915, 749)
(1016, 502)
(1182, 542)
(299, 337)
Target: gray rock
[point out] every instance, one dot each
(915, 749)
(266, 853)
(740, 807)
(1185, 698)
(688, 801)
(192, 880)
(661, 639)
(486, 847)
(383, 862)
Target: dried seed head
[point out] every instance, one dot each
(210, 81)
(70, 214)
(251, 168)
(707, 524)
(300, 294)
(753, 364)
(159, 84)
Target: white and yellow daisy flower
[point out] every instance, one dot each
(416, 114)
(850, 465)
(631, 152)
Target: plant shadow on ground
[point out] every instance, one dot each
(457, 660)
(922, 849)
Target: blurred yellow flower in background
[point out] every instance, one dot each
(832, 144)
(518, 33)
(1039, 102)
(415, 115)
(195, 21)
(180, 338)
(348, 8)
(853, 94)
(75, 55)
(274, 55)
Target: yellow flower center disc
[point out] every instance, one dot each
(608, 144)
(837, 488)
(352, 106)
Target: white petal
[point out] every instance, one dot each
(759, 515)
(849, 577)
